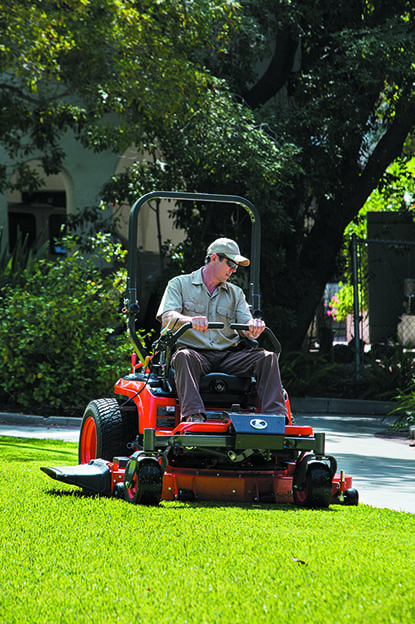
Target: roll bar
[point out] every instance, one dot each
(131, 302)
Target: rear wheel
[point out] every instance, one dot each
(105, 431)
(316, 488)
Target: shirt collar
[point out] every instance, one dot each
(198, 279)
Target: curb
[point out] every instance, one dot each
(50, 421)
(351, 407)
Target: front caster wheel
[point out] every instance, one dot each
(143, 480)
(316, 487)
(351, 497)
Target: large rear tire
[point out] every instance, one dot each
(105, 431)
(316, 488)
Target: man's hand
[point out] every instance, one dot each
(256, 327)
(200, 323)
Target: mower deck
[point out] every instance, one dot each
(285, 482)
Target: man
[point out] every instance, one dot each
(207, 296)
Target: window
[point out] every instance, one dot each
(24, 222)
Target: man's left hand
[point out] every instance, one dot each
(256, 327)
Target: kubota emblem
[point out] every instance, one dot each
(258, 423)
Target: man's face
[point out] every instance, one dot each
(222, 269)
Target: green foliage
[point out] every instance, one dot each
(14, 266)
(305, 374)
(405, 411)
(310, 374)
(61, 333)
(341, 304)
(69, 65)
(382, 376)
(78, 558)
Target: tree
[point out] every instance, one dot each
(104, 69)
(351, 105)
(307, 140)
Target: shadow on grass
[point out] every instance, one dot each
(72, 493)
(181, 505)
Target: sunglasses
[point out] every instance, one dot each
(231, 264)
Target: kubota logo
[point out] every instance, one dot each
(258, 423)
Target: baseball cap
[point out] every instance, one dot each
(228, 248)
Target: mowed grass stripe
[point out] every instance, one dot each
(69, 557)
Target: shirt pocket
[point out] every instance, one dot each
(193, 308)
(225, 315)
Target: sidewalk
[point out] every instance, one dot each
(381, 462)
(55, 428)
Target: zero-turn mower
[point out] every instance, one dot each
(134, 445)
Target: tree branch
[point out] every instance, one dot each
(25, 96)
(387, 150)
(277, 73)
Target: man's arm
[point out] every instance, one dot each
(171, 319)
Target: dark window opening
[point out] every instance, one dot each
(24, 222)
(55, 199)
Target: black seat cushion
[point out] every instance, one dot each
(222, 389)
(219, 383)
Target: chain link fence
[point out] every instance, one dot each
(384, 286)
(383, 314)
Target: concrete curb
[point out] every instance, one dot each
(352, 407)
(50, 421)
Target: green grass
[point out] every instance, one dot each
(67, 557)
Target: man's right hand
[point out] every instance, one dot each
(200, 323)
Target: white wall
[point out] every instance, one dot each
(83, 175)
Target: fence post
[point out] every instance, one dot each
(356, 314)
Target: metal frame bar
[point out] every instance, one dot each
(314, 443)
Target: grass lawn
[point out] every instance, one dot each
(68, 557)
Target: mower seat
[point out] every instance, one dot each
(222, 389)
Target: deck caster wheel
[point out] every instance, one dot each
(351, 497)
(143, 480)
(316, 487)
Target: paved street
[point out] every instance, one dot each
(381, 463)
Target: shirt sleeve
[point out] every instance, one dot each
(242, 313)
(172, 299)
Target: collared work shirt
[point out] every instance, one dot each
(188, 295)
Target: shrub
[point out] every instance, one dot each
(60, 338)
(383, 376)
(405, 411)
(305, 374)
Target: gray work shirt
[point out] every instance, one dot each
(188, 295)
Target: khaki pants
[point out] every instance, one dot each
(190, 364)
